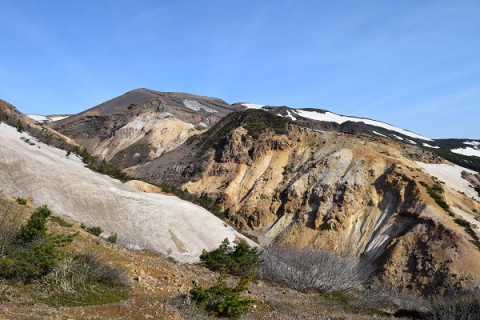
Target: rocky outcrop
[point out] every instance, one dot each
(142, 124)
(349, 193)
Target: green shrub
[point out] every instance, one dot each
(35, 226)
(223, 300)
(436, 192)
(22, 201)
(19, 126)
(112, 238)
(96, 231)
(239, 260)
(34, 253)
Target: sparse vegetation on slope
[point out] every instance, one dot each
(254, 121)
(32, 259)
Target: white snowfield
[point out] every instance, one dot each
(252, 106)
(197, 106)
(46, 119)
(468, 151)
(451, 175)
(475, 144)
(333, 117)
(141, 220)
(430, 146)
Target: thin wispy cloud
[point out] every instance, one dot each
(377, 59)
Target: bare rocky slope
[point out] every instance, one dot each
(353, 194)
(141, 124)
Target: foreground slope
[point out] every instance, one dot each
(353, 194)
(31, 169)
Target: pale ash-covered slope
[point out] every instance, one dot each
(352, 194)
(141, 219)
(142, 124)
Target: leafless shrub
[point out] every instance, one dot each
(465, 307)
(313, 270)
(389, 300)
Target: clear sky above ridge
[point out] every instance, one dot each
(414, 64)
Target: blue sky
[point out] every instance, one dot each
(415, 64)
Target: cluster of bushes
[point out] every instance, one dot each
(237, 260)
(436, 192)
(222, 299)
(101, 166)
(202, 201)
(22, 201)
(96, 231)
(31, 255)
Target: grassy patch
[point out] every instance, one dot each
(102, 294)
(337, 299)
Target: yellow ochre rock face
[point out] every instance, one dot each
(352, 194)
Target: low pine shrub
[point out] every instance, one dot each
(239, 260)
(96, 231)
(222, 300)
(22, 201)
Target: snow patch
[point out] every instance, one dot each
(252, 106)
(38, 117)
(468, 151)
(451, 175)
(197, 106)
(378, 133)
(475, 144)
(411, 141)
(333, 117)
(46, 119)
(429, 146)
(397, 137)
(289, 115)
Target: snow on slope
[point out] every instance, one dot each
(252, 106)
(468, 151)
(451, 175)
(430, 146)
(150, 220)
(197, 106)
(46, 119)
(333, 117)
